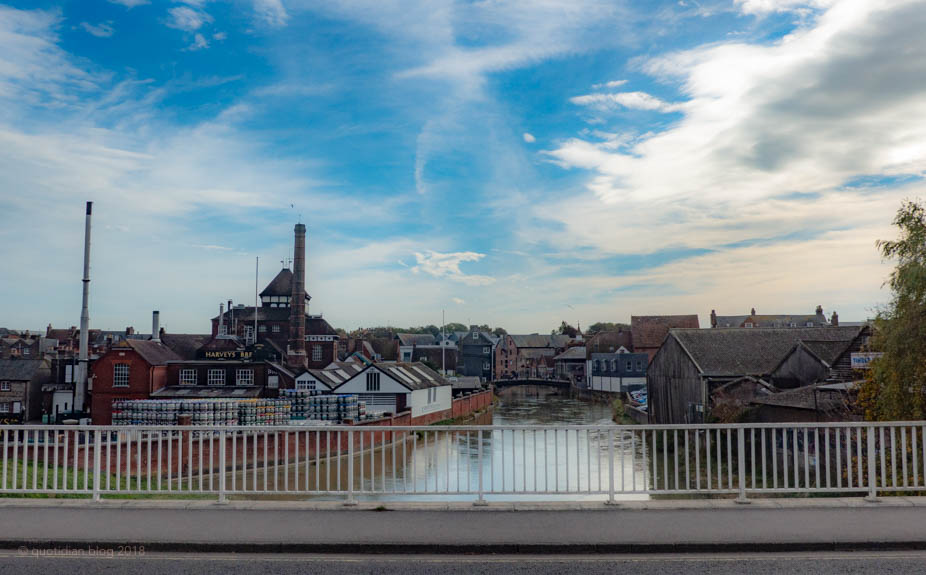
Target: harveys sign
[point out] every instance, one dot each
(235, 354)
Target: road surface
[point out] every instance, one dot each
(16, 563)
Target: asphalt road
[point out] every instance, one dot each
(16, 563)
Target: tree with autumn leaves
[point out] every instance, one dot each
(895, 388)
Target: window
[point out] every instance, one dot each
(262, 329)
(25, 350)
(223, 329)
(372, 381)
(4, 407)
(249, 333)
(187, 377)
(216, 377)
(316, 353)
(792, 324)
(748, 324)
(596, 366)
(629, 365)
(121, 375)
(306, 385)
(613, 365)
(244, 377)
(486, 365)
(809, 324)
(639, 365)
(486, 350)
(4, 386)
(275, 329)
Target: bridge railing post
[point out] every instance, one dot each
(872, 463)
(741, 464)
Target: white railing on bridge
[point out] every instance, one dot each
(469, 462)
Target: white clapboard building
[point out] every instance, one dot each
(392, 387)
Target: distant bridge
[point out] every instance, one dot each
(531, 381)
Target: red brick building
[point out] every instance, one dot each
(133, 369)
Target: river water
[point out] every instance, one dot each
(518, 465)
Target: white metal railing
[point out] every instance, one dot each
(469, 462)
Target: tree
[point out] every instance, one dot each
(566, 329)
(895, 388)
(499, 332)
(601, 326)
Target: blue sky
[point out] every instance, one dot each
(515, 163)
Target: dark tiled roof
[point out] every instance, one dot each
(808, 397)
(202, 391)
(781, 320)
(757, 351)
(185, 345)
(828, 351)
(154, 352)
(572, 353)
(21, 369)
(317, 325)
(416, 339)
(281, 285)
(648, 331)
(540, 340)
(610, 341)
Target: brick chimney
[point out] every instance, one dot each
(295, 349)
(834, 321)
(713, 318)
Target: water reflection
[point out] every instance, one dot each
(518, 465)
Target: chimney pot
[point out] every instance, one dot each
(752, 311)
(156, 325)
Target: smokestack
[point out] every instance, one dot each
(155, 325)
(231, 320)
(80, 387)
(296, 349)
(221, 317)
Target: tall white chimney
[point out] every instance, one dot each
(155, 325)
(221, 317)
(83, 358)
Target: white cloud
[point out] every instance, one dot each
(629, 100)
(271, 12)
(529, 138)
(199, 42)
(130, 3)
(768, 6)
(187, 18)
(765, 130)
(219, 36)
(101, 30)
(458, 301)
(609, 85)
(447, 265)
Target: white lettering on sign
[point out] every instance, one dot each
(861, 360)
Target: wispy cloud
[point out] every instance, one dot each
(187, 18)
(447, 265)
(529, 138)
(101, 30)
(130, 3)
(271, 12)
(629, 100)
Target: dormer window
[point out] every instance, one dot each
(748, 324)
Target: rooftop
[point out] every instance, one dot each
(735, 351)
